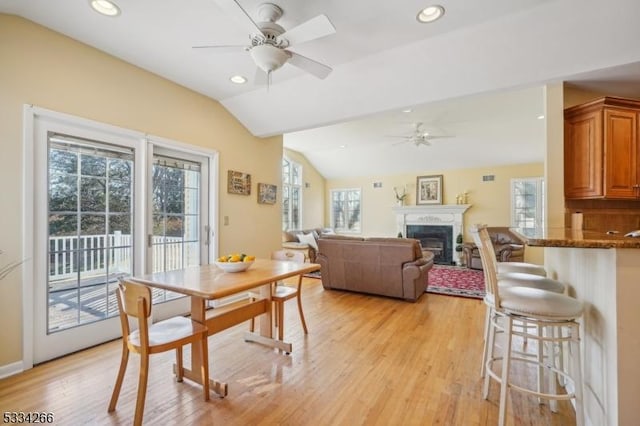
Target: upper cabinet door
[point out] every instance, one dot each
(583, 155)
(601, 150)
(621, 153)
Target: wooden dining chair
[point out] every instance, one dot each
(134, 300)
(281, 292)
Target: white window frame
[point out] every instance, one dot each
(540, 201)
(33, 171)
(331, 210)
(299, 186)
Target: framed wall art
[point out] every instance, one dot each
(429, 190)
(238, 183)
(267, 193)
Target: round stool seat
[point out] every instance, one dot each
(527, 268)
(517, 279)
(534, 302)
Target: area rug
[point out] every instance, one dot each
(456, 281)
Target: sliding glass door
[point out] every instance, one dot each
(108, 203)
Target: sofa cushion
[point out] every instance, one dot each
(308, 239)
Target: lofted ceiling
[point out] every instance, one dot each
(476, 75)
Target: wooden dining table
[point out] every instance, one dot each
(208, 282)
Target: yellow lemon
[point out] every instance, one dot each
(234, 258)
(222, 259)
(249, 258)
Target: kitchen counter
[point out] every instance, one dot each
(567, 237)
(601, 270)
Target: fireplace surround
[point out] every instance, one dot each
(429, 223)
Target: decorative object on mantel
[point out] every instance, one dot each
(267, 193)
(238, 183)
(462, 198)
(429, 190)
(400, 197)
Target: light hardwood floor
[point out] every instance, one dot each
(366, 360)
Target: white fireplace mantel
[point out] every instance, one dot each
(433, 208)
(434, 214)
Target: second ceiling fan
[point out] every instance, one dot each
(270, 42)
(419, 136)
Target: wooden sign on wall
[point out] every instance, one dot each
(238, 183)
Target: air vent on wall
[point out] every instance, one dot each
(488, 178)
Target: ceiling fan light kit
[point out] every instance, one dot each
(268, 58)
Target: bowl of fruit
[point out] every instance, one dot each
(235, 262)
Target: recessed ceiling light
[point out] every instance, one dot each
(430, 14)
(105, 7)
(238, 79)
(541, 117)
(407, 110)
(343, 146)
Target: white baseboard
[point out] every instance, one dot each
(11, 369)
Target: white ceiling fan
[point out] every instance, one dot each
(269, 42)
(419, 136)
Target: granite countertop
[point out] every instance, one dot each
(567, 237)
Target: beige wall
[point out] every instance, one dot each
(554, 155)
(491, 201)
(312, 194)
(574, 96)
(49, 70)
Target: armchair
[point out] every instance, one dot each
(507, 245)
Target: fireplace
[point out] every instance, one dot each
(436, 226)
(438, 239)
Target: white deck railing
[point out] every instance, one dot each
(101, 252)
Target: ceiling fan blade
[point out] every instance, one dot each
(439, 137)
(222, 48)
(234, 9)
(309, 65)
(312, 29)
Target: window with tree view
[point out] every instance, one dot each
(345, 210)
(527, 203)
(90, 220)
(291, 194)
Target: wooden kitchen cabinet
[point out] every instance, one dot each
(602, 150)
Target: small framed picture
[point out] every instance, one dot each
(238, 183)
(267, 193)
(429, 190)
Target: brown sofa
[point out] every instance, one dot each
(507, 245)
(394, 267)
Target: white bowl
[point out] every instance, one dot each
(234, 266)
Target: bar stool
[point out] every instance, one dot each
(546, 313)
(513, 274)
